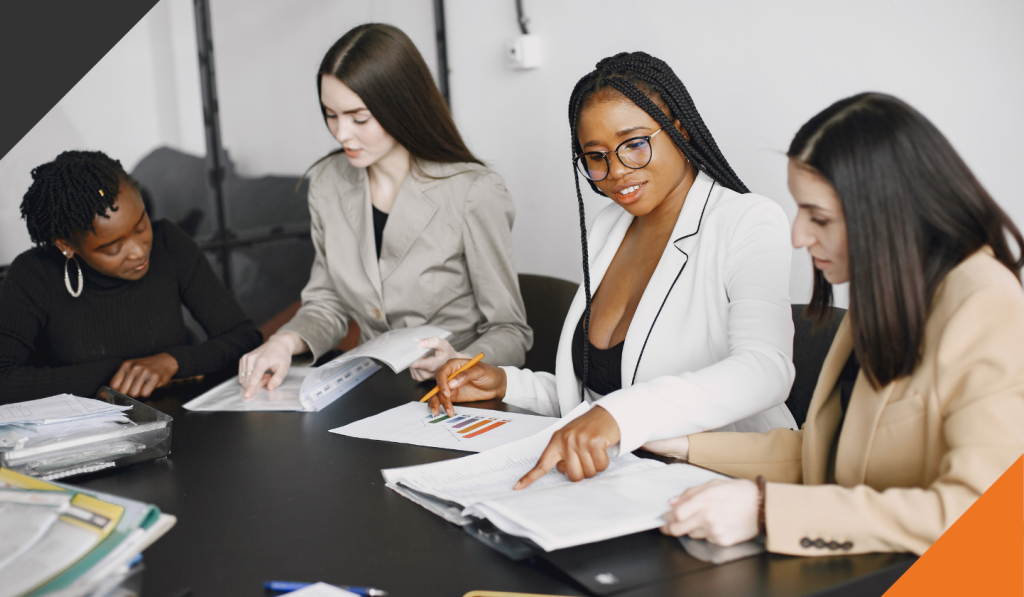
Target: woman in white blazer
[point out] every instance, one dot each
(689, 328)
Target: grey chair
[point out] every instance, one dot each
(547, 302)
(810, 347)
(266, 277)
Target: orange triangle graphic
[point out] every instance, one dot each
(982, 553)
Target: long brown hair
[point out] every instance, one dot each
(383, 67)
(913, 209)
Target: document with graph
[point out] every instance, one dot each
(470, 430)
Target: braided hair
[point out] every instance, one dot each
(69, 192)
(650, 84)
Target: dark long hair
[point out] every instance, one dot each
(914, 210)
(653, 86)
(383, 67)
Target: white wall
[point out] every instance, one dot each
(144, 93)
(756, 70)
(267, 54)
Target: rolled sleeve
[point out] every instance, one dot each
(535, 391)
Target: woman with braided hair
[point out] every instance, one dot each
(98, 301)
(689, 327)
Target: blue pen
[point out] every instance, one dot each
(282, 586)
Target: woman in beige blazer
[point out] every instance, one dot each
(936, 321)
(409, 227)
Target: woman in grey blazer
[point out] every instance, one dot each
(409, 227)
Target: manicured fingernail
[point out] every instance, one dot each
(453, 383)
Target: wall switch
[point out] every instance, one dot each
(524, 52)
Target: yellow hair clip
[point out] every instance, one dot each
(101, 192)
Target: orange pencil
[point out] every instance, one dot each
(469, 364)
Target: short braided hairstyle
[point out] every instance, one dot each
(652, 85)
(69, 192)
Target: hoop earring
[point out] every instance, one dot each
(67, 278)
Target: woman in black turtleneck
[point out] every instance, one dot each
(98, 301)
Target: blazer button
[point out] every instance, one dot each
(377, 314)
(819, 543)
(805, 542)
(847, 545)
(833, 545)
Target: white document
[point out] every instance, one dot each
(630, 496)
(25, 517)
(62, 545)
(56, 409)
(322, 589)
(592, 510)
(471, 430)
(492, 474)
(397, 349)
(228, 396)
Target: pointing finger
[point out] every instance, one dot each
(552, 455)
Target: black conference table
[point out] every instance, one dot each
(273, 496)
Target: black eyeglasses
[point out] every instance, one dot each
(634, 153)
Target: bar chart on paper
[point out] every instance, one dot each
(470, 430)
(463, 427)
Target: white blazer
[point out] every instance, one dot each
(711, 343)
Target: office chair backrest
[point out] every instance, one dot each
(809, 350)
(547, 301)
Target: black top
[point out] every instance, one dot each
(847, 379)
(51, 342)
(380, 219)
(604, 370)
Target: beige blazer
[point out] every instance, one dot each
(912, 456)
(446, 260)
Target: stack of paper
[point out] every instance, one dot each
(57, 540)
(630, 496)
(57, 418)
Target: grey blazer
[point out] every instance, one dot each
(446, 260)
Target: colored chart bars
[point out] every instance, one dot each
(464, 427)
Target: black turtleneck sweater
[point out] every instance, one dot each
(51, 342)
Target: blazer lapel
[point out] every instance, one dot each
(355, 204)
(825, 409)
(859, 426)
(666, 274)
(565, 376)
(410, 215)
